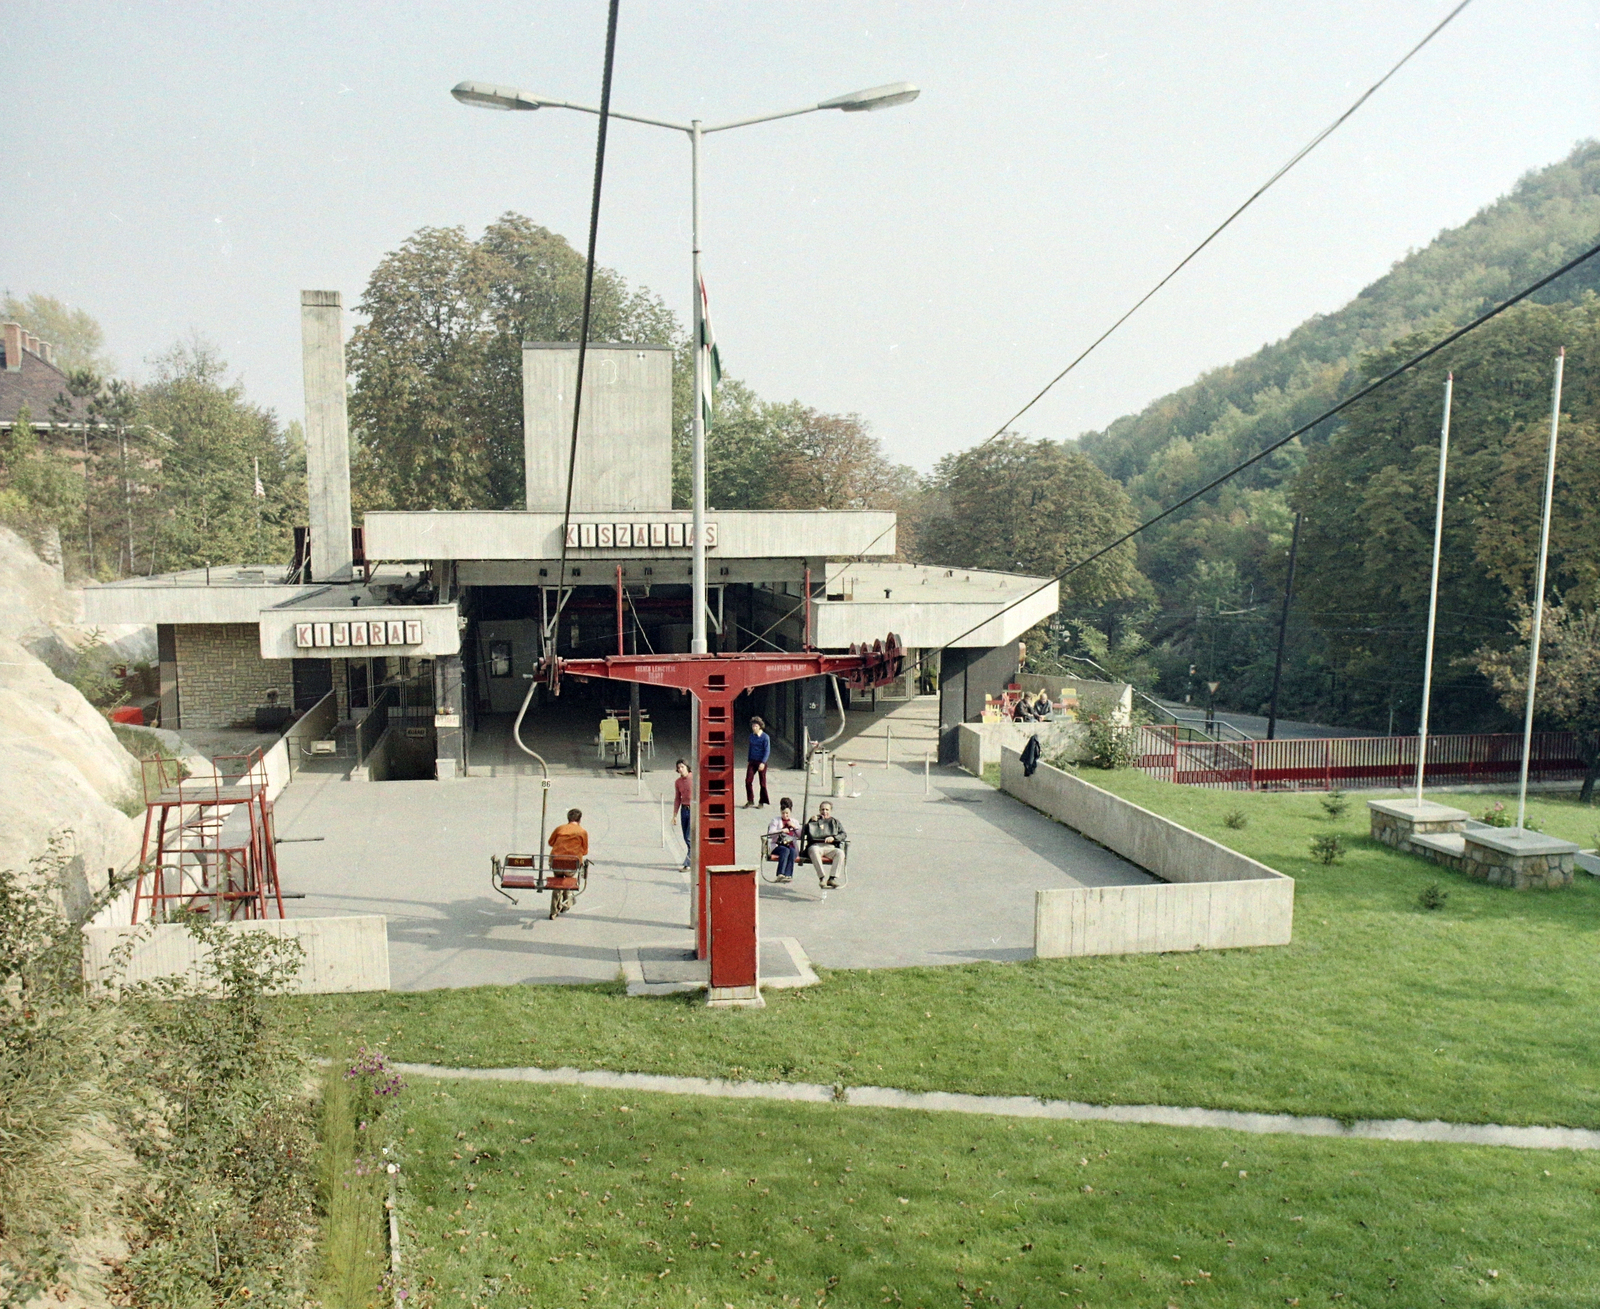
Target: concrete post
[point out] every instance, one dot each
(327, 435)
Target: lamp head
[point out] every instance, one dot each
(485, 95)
(874, 97)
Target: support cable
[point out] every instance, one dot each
(588, 286)
(1420, 357)
(1217, 231)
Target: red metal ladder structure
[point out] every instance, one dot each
(724, 901)
(208, 842)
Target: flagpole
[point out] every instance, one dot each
(1538, 586)
(1433, 586)
(698, 643)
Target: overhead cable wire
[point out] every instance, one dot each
(1420, 357)
(1221, 227)
(588, 298)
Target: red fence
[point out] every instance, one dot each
(1354, 762)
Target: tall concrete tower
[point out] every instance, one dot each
(327, 435)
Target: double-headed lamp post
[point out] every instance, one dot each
(485, 96)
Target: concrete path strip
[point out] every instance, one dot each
(1023, 1106)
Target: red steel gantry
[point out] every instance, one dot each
(716, 680)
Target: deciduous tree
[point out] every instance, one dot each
(1567, 690)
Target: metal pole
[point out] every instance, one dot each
(1283, 628)
(698, 643)
(888, 740)
(1538, 586)
(1433, 587)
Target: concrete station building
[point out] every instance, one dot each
(424, 626)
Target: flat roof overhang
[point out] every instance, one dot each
(529, 535)
(927, 606)
(198, 595)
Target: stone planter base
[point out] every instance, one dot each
(1522, 860)
(1395, 822)
(1501, 856)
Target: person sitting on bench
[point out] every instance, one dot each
(826, 846)
(569, 844)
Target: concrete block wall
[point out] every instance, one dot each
(341, 954)
(222, 676)
(1216, 899)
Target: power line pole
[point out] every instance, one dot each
(1283, 628)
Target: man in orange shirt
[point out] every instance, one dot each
(569, 843)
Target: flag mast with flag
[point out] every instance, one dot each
(711, 361)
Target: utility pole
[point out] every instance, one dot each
(1283, 628)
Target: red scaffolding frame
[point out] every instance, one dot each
(208, 843)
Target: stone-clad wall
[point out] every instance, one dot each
(222, 676)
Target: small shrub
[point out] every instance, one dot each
(1497, 815)
(1328, 848)
(1235, 819)
(1335, 803)
(1432, 896)
(1108, 743)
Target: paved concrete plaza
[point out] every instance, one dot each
(946, 877)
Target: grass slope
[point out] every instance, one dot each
(521, 1196)
(1485, 1011)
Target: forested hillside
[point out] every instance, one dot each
(1217, 570)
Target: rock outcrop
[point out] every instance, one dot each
(63, 774)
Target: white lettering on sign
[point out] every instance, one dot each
(303, 636)
(375, 632)
(397, 632)
(323, 632)
(341, 633)
(413, 631)
(358, 633)
(636, 536)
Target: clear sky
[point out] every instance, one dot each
(178, 168)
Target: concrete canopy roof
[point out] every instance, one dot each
(927, 606)
(514, 534)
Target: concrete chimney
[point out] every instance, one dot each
(13, 338)
(327, 435)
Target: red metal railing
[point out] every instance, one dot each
(1354, 762)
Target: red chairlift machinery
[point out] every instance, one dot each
(724, 894)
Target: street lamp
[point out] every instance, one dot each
(484, 95)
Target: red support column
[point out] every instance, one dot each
(714, 828)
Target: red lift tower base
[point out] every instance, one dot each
(724, 902)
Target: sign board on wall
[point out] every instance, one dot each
(362, 632)
(636, 536)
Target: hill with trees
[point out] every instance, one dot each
(1217, 569)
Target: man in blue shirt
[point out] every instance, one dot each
(756, 764)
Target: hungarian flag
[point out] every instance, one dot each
(261, 491)
(711, 371)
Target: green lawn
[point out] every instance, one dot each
(1486, 1010)
(521, 1196)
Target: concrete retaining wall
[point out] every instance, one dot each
(342, 954)
(980, 744)
(1216, 898)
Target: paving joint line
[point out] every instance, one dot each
(1432, 1131)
